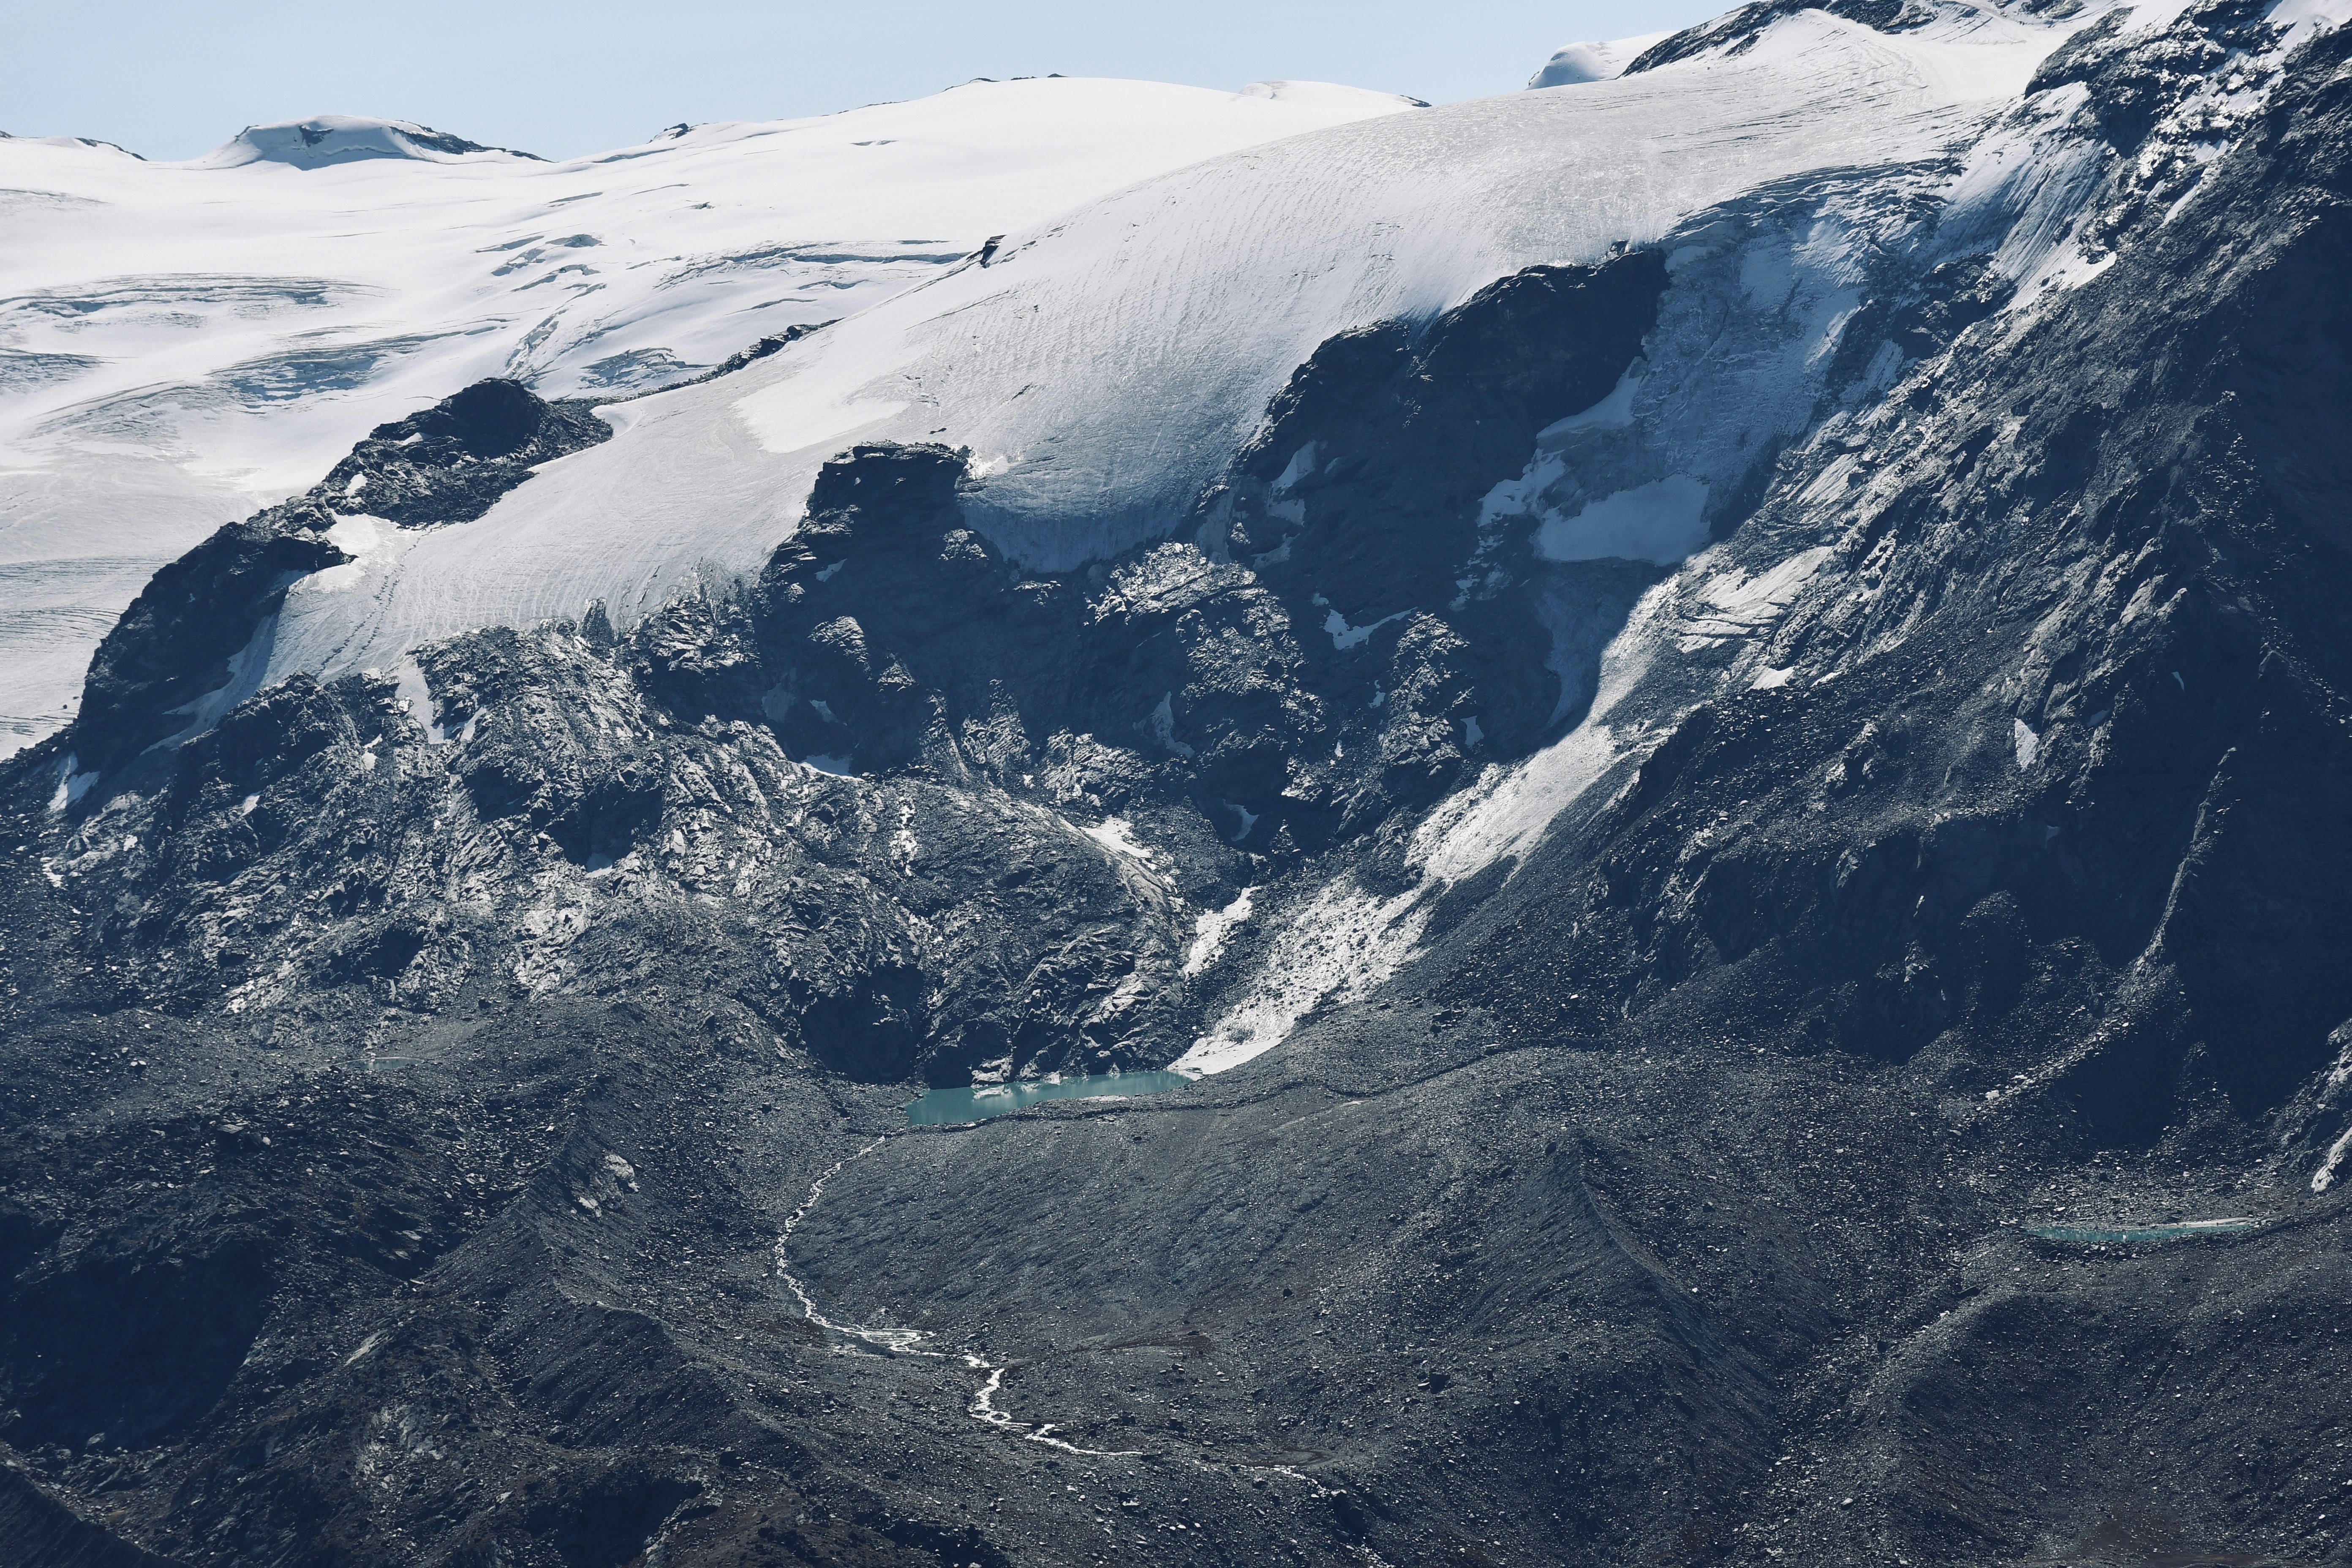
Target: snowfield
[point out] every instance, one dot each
(181, 343)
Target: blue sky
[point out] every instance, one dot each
(172, 81)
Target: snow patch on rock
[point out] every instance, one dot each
(1210, 932)
(1661, 522)
(1337, 946)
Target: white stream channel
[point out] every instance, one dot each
(909, 1341)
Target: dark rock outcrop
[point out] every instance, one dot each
(43, 1532)
(451, 462)
(1737, 31)
(191, 632)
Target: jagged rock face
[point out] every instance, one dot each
(1739, 29)
(161, 659)
(1360, 498)
(453, 1111)
(2045, 836)
(323, 845)
(1226, 664)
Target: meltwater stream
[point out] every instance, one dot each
(948, 1107)
(912, 1342)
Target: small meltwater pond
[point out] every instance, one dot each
(981, 1100)
(2142, 1232)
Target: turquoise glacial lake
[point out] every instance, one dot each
(944, 1107)
(2143, 1232)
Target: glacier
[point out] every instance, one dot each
(180, 342)
(1112, 357)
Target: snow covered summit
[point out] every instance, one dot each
(1592, 61)
(325, 140)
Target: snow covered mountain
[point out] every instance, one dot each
(181, 343)
(1669, 755)
(1189, 284)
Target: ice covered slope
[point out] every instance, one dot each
(1105, 364)
(180, 342)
